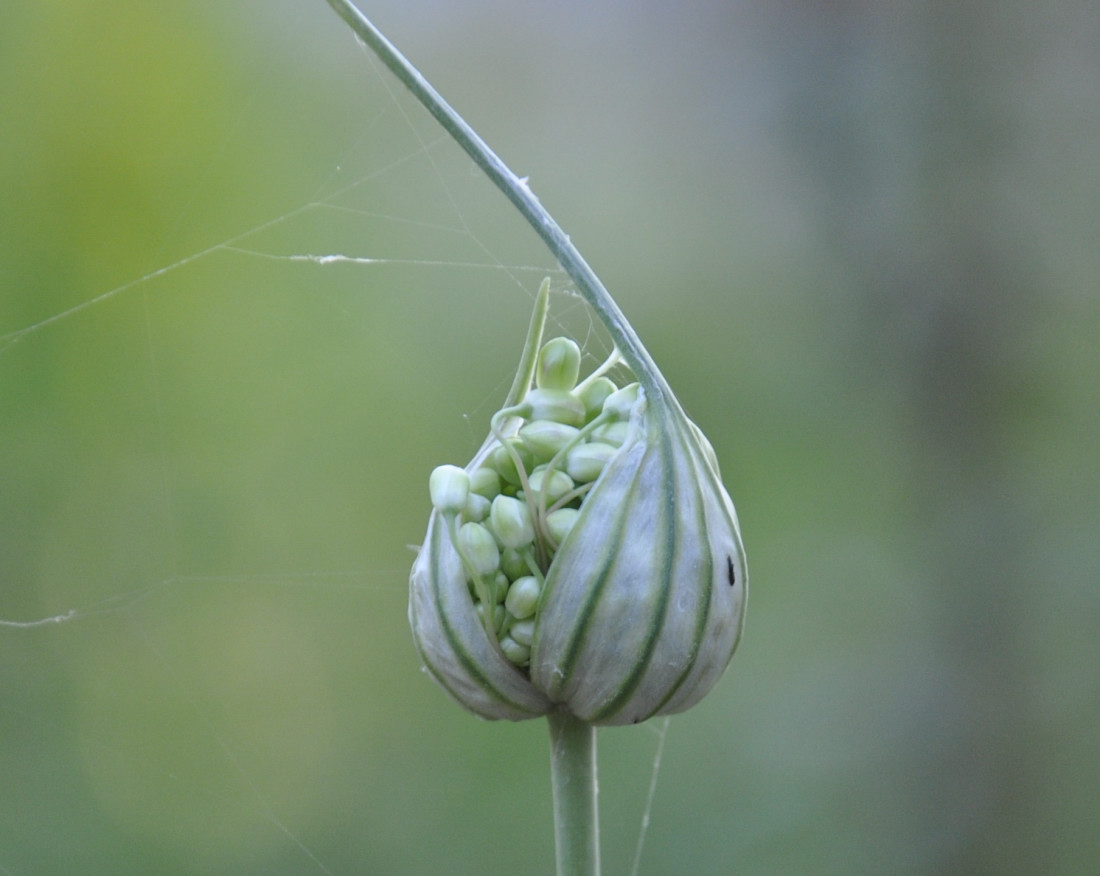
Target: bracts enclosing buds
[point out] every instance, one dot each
(587, 558)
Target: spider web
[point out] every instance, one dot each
(213, 468)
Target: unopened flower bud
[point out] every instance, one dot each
(511, 522)
(522, 597)
(523, 632)
(449, 486)
(559, 364)
(514, 651)
(585, 462)
(479, 548)
(555, 404)
(620, 402)
(550, 484)
(485, 482)
(618, 560)
(545, 437)
(504, 461)
(594, 394)
(558, 524)
(611, 433)
(477, 508)
(513, 564)
(500, 588)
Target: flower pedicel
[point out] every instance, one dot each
(587, 558)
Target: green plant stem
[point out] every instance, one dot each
(517, 191)
(573, 776)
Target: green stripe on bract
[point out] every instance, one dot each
(628, 605)
(577, 622)
(704, 580)
(726, 602)
(561, 628)
(663, 582)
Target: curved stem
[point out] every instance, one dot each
(573, 775)
(517, 191)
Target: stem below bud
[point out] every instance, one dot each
(573, 776)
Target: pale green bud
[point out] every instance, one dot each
(449, 486)
(545, 437)
(621, 402)
(504, 463)
(522, 597)
(554, 404)
(514, 651)
(643, 599)
(485, 482)
(628, 605)
(513, 564)
(480, 548)
(559, 364)
(585, 462)
(511, 522)
(613, 433)
(477, 508)
(550, 484)
(594, 394)
(560, 522)
(523, 632)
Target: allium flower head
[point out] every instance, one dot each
(588, 557)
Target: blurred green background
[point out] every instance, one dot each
(861, 240)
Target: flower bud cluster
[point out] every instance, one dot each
(508, 516)
(588, 558)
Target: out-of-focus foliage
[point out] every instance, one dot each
(859, 238)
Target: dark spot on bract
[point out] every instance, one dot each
(730, 572)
